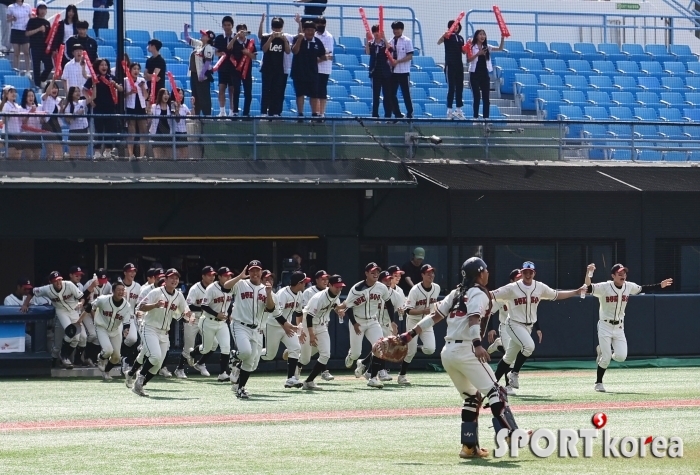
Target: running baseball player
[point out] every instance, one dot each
(366, 300)
(75, 275)
(67, 300)
(215, 311)
(130, 352)
(320, 284)
(161, 305)
(317, 314)
(465, 359)
(524, 297)
(92, 346)
(289, 308)
(613, 296)
(195, 299)
(420, 302)
(109, 313)
(254, 302)
(130, 332)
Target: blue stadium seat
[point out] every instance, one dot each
(167, 54)
(675, 156)
(20, 83)
(351, 45)
(135, 53)
(552, 81)
(421, 79)
(435, 110)
(670, 115)
(138, 37)
(694, 156)
(179, 71)
(629, 68)
(581, 67)
(506, 69)
(623, 99)
(649, 99)
(649, 83)
(620, 131)
(168, 38)
(439, 78)
(341, 76)
(692, 83)
(673, 84)
(659, 53)
(526, 86)
(650, 156)
(337, 92)
(672, 132)
(692, 115)
(106, 51)
(682, 53)
(182, 54)
(621, 113)
(675, 69)
(364, 60)
(437, 94)
(515, 49)
(531, 65)
(348, 62)
(419, 96)
(424, 62)
(547, 103)
(602, 83)
(6, 66)
(646, 114)
(556, 66)
(646, 132)
(692, 131)
(587, 51)
(595, 135)
(604, 67)
(636, 52)
(574, 98)
(596, 113)
(693, 68)
(576, 82)
(109, 36)
(361, 93)
(598, 98)
(611, 52)
(362, 77)
(357, 109)
(651, 68)
(625, 83)
(539, 49)
(620, 153)
(572, 113)
(334, 109)
(563, 51)
(673, 99)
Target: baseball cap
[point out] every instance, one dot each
(208, 270)
(372, 266)
(40, 4)
(160, 282)
(514, 274)
(25, 283)
(129, 266)
(265, 274)
(221, 271)
(320, 274)
(208, 33)
(172, 271)
(298, 277)
(253, 264)
(152, 272)
(419, 253)
(383, 275)
(308, 24)
(77, 46)
(528, 265)
(394, 270)
(618, 268)
(76, 270)
(336, 281)
(426, 268)
(55, 275)
(102, 278)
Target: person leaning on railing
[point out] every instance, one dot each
(181, 125)
(50, 105)
(31, 126)
(78, 124)
(13, 124)
(161, 126)
(101, 92)
(136, 103)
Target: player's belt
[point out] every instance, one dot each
(613, 322)
(455, 341)
(249, 325)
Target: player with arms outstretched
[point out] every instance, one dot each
(109, 312)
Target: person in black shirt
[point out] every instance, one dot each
(37, 30)
(155, 65)
(70, 19)
(480, 69)
(454, 70)
(379, 71)
(224, 46)
(102, 100)
(308, 52)
(89, 44)
(243, 53)
(274, 80)
(411, 269)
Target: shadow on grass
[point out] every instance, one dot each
(491, 462)
(617, 393)
(163, 398)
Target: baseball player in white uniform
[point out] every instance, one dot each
(132, 289)
(109, 313)
(420, 302)
(195, 300)
(24, 288)
(67, 300)
(290, 309)
(215, 332)
(613, 296)
(367, 299)
(75, 274)
(161, 305)
(463, 356)
(92, 347)
(524, 297)
(254, 301)
(320, 284)
(130, 353)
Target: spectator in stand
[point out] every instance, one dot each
(308, 52)
(89, 44)
(243, 52)
(75, 72)
(224, 47)
(50, 105)
(312, 12)
(181, 126)
(401, 49)
(37, 31)
(411, 269)
(480, 69)
(13, 125)
(200, 69)
(454, 69)
(18, 14)
(31, 126)
(325, 66)
(100, 18)
(155, 65)
(77, 125)
(66, 30)
(102, 94)
(136, 103)
(161, 130)
(277, 60)
(379, 72)
(5, 45)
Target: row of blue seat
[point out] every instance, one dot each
(614, 151)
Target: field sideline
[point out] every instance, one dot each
(57, 426)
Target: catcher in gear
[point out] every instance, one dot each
(467, 310)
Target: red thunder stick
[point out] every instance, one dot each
(154, 81)
(455, 25)
(58, 68)
(112, 89)
(467, 48)
(219, 63)
(88, 61)
(176, 93)
(127, 73)
(501, 23)
(381, 18)
(52, 33)
(365, 23)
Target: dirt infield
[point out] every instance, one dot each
(119, 423)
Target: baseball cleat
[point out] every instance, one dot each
(403, 380)
(89, 363)
(101, 364)
(263, 352)
(510, 391)
(106, 376)
(180, 374)
(223, 377)
(67, 363)
(599, 387)
(165, 373)
(129, 380)
(327, 376)
(348, 361)
(242, 394)
(375, 383)
(188, 357)
(366, 375)
(384, 375)
(473, 453)
(494, 346)
(513, 380)
(359, 370)
(311, 386)
(293, 383)
(234, 387)
(235, 372)
(202, 368)
(285, 355)
(138, 386)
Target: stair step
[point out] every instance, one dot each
(510, 110)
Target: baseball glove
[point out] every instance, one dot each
(390, 349)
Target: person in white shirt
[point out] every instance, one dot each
(401, 48)
(324, 67)
(102, 287)
(480, 69)
(16, 298)
(613, 297)
(13, 125)
(109, 313)
(77, 124)
(75, 72)
(51, 105)
(136, 103)
(200, 69)
(18, 15)
(181, 125)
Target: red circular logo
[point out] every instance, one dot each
(599, 420)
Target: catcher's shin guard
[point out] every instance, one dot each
(504, 421)
(470, 434)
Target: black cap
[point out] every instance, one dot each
(129, 266)
(160, 282)
(224, 271)
(23, 282)
(208, 270)
(172, 271)
(253, 264)
(514, 274)
(102, 278)
(426, 268)
(308, 24)
(394, 270)
(276, 22)
(320, 274)
(265, 274)
(77, 46)
(336, 281)
(383, 275)
(76, 270)
(372, 266)
(152, 272)
(298, 277)
(55, 275)
(617, 268)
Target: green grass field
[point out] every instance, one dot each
(54, 426)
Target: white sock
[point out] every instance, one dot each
(458, 109)
(449, 110)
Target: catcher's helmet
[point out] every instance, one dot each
(471, 269)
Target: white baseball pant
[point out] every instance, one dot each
(58, 337)
(214, 333)
(156, 344)
(427, 338)
(274, 334)
(190, 331)
(467, 373)
(307, 351)
(611, 335)
(248, 343)
(323, 346)
(80, 337)
(89, 324)
(386, 328)
(111, 343)
(370, 329)
(520, 340)
(504, 335)
(133, 335)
